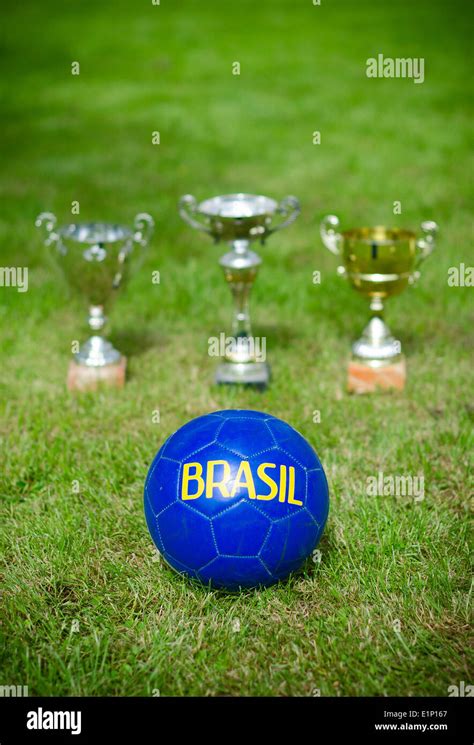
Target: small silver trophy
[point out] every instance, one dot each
(95, 259)
(240, 219)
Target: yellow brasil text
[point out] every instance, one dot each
(281, 487)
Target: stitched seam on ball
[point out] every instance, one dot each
(273, 576)
(290, 455)
(285, 517)
(171, 504)
(214, 538)
(154, 466)
(239, 556)
(159, 535)
(265, 540)
(265, 421)
(187, 569)
(312, 517)
(262, 512)
(193, 509)
(212, 442)
(244, 418)
(147, 497)
(201, 569)
(226, 509)
(246, 457)
(198, 450)
(265, 566)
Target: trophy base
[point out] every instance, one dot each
(88, 378)
(369, 376)
(245, 373)
(97, 352)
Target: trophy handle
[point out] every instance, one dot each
(48, 221)
(329, 235)
(187, 210)
(289, 207)
(144, 225)
(427, 244)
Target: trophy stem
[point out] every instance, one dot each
(97, 351)
(240, 270)
(97, 318)
(241, 290)
(377, 346)
(377, 307)
(241, 362)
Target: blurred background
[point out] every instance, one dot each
(168, 68)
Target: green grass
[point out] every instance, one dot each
(87, 556)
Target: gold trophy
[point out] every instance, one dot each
(378, 262)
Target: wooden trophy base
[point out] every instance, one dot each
(85, 378)
(364, 378)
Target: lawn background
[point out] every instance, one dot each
(87, 557)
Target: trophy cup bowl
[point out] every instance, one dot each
(95, 259)
(378, 262)
(239, 219)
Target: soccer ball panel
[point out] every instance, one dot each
(292, 443)
(317, 500)
(243, 440)
(186, 536)
(289, 543)
(240, 530)
(233, 574)
(161, 487)
(195, 435)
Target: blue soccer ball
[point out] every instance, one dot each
(236, 499)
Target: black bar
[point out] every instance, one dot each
(138, 720)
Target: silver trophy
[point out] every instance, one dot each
(240, 219)
(95, 260)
